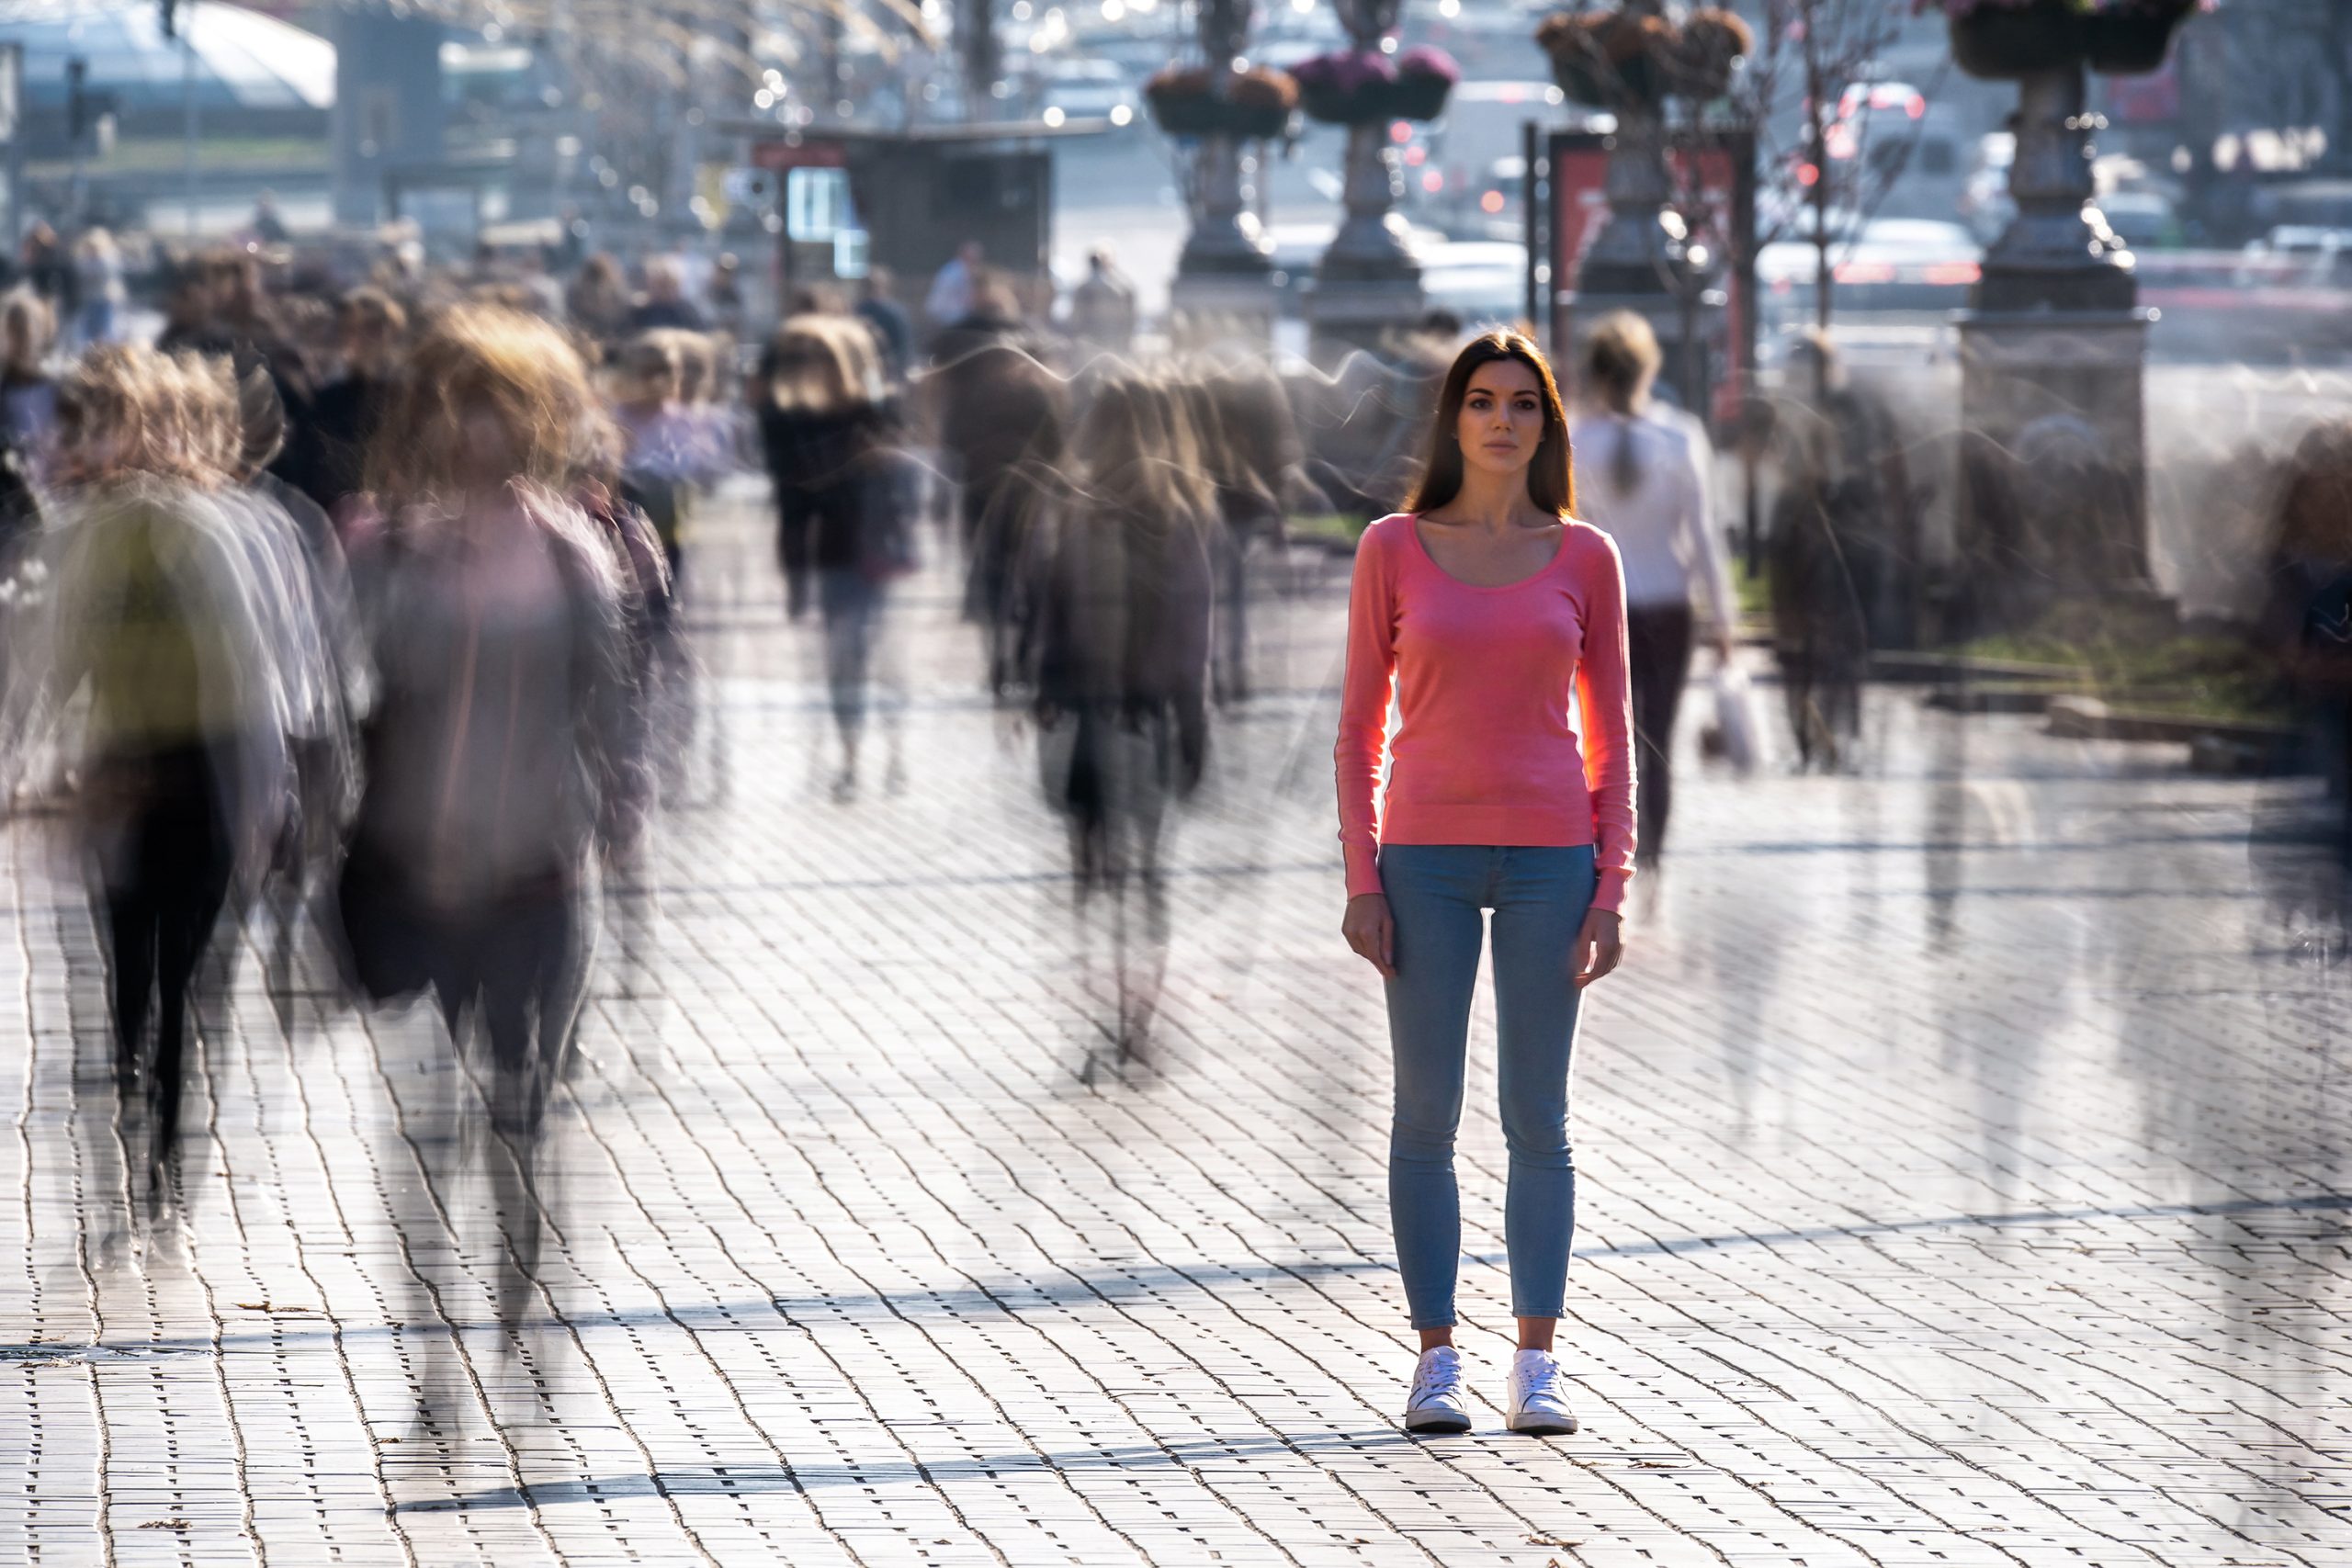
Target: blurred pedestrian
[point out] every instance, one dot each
(222, 306)
(888, 319)
(1102, 306)
(665, 303)
(844, 482)
(666, 444)
(597, 302)
(2306, 625)
(371, 330)
(1642, 484)
(496, 755)
(955, 286)
(98, 263)
(28, 390)
(267, 225)
(1495, 617)
(1001, 424)
(1836, 548)
(180, 616)
(1120, 641)
(299, 541)
(723, 295)
(46, 268)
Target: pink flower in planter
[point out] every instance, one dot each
(1423, 61)
(1344, 74)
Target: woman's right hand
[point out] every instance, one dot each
(1371, 931)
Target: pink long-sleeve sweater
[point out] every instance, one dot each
(1486, 750)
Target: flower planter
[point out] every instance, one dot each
(1362, 87)
(1417, 95)
(1598, 83)
(1328, 105)
(1200, 114)
(2126, 46)
(2001, 45)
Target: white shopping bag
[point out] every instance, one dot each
(1733, 734)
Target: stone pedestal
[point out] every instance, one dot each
(1213, 309)
(1367, 285)
(1225, 240)
(1634, 255)
(2054, 480)
(2053, 466)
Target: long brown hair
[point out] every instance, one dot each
(1550, 478)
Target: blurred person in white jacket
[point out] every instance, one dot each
(1641, 478)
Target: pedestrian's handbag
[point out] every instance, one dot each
(1733, 734)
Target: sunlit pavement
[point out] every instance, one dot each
(1964, 1154)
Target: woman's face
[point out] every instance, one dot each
(1502, 420)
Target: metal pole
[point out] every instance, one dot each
(188, 104)
(1533, 235)
(12, 129)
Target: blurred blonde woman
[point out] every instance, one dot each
(172, 618)
(1642, 483)
(845, 499)
(496, 758)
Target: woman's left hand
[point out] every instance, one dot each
(1598, 946)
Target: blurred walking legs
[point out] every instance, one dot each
(1657, 638)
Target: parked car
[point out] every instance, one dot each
(2143, 220)
(1892, 264)
(1089, 89)
(1482, 281)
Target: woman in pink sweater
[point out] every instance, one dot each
(1500, 622)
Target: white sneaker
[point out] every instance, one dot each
(1537, 1406)
(1437, 1403)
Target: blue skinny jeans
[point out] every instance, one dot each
(1437, 894)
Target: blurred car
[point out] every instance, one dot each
(2297, 253)
(1985, 205)
(1466, 171)
(2282, 299)
(1089, 89)
(1482, 281)
(2142, 219)
(1893, 265)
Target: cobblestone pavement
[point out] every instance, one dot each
(1964, 1151)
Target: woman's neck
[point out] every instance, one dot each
(1498, 502)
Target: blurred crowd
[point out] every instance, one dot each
(363, 613)
(356, 623)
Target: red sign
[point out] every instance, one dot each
(778, 153)
(2152, 99)
(1708, 197)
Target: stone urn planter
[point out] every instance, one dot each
(1355, 86)
(2056, 254)
(2005, 40)
(1255, 106)
(1631, 59)
(1999, 44)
